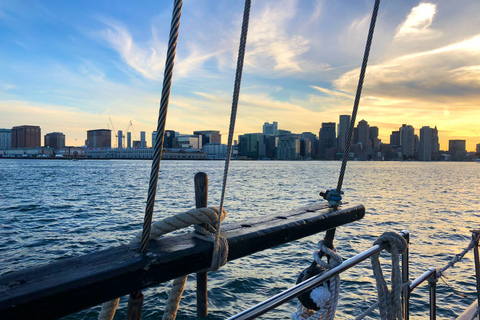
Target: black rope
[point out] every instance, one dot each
(233, 114)
(157, 153)
(136, 299)
(331, 233)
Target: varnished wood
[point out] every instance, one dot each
(70, 285)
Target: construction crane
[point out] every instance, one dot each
(130, 124)
(114, 132)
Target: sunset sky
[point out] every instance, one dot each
(68, 66)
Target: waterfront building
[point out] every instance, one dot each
(407, 140)
(252, 145)
(326, 137)
(271, 143)
(435, 143)
(154, 138)
(168, 138)
(54, 140)
(288, 148)
(129, 140)
(143, 142)
(209, 136)
(343, 125)
(136, 144)
(457, 149)
(270, 129)
(38, 152)
(305, 148)
(313, 142)
(143, 153)
(374, 137)
(26, 137)
(188, 142)
(120, 139)
(5, 139)
(281, 132)
(395, 139)
(478, 147)
(425, 146)
(364, 134)
(215, 150)
(99, 138)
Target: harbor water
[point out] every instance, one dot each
(51, 210)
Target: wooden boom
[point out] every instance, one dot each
(61, 288)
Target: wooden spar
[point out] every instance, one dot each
(70, 285)
(201, 200)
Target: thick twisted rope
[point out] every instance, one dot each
(206, 216)
(233, 116)
(456, 258)
(331, 233)
(440, 273)
(162, 117)
(326, 295)
(358, 95)
(389, 301)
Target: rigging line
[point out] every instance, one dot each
(331, 233)
(157, 153)
(358, 95)
(233, 115)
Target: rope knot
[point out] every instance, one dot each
(389, 300)
(393, 242)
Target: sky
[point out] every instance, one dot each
(69, 66)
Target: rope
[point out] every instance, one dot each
(205, 216)
(358, 94)
(375, 305)
(162, 117)
(330, 234)
(326, 295)
(233, 116)
(456, 258)
(389, 301)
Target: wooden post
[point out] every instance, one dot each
(201, 199)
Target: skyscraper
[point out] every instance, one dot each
(143, 142)
(364, 134)
(271, 129)
(120, 139)
(342, 131)
(425, 147)
(407, 140)
(129, 140)
(435, 144)
(395, 139)
(154, 138)
(26, 137)
(326, 137)
(456, 148)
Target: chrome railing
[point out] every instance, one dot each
(430, 276)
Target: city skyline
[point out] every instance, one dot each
(68, 68)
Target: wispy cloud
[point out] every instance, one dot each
(441, 73)
(417, 25)
(334, 93)
(273, 47)
(149, 59)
